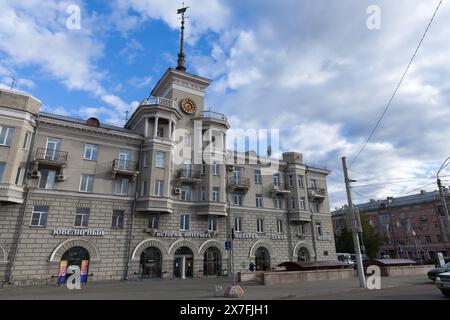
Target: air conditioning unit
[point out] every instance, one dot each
(177, 191)
(35, 174)
(61, 178)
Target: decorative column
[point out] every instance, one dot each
(146, 127)
(155, 129)
(183, 267)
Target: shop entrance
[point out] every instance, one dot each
(212, 262)
(75, 256)
(151, 263)
(303, 255)
(262, 259)
(183, 264)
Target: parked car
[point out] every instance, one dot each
(345, 257)
(433, 273)
(443, 283)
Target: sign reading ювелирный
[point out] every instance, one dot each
(78, 232)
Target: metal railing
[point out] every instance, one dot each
(187, 174)
(239, 182)
(164, 102)
(317, 191)
(124, 165)
(51, 155)
(214, 115)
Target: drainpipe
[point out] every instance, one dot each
(133, 212)
(290, 247)
(24, 206)
(313, 233)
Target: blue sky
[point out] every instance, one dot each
(312, 69)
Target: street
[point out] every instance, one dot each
(393, 288)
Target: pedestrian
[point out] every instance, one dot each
(251, 266)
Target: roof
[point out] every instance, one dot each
(389, 262)
(82, 121)
(313, 265)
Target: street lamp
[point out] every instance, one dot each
(441, 192)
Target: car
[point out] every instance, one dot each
(432, 274)
(443, 283)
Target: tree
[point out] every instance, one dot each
(372, 239)
(344, 242)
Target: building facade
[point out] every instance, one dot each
(415, 226)
(135, 202)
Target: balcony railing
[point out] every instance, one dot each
(317, 193)
(214, 115)
(164, 102)
(239, 183)
(124, 166)
(188, 176)
(51, 156)
(278, 190)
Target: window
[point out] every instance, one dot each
(291, 180)
(238, 198)
(212, 223)
(316, 206)
(301, 228)
(313, 183)
(117, 219)
(26, 140)
(153, 221)
(303, 203)
(260, 225)
(280, 226)
(424, 227)
(185, 193)
(19, 176)
(238, 224)
(203, 168)
(47, 180)
(278, 202)
(160, 132)
(293, 202)
(82, 217)
(319, 228)
(300, 182)
(187, 168)
(438, 237)
(216, 191)
(428, 239)
(124, 159)
(203, 193)
(160, 159)
(259, 201)
(276, 180)
(90, 152)
(144, 188)
(185, 222)
(6, 134)
(122, 187)
(39, 216)
(2, 170)
(159, 188)
(52, 149)
(86, 183)
(215, 168)
(146, 159)
(258, 176)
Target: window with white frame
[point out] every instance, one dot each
(47, 179)
(301, 228)
(237, 198)
(2, 170)
(159, 188)
(216, 194)
(203, 193)
(258, 176)
(280, 226)
(185, 222)
(319, 228)
(215, 168)
(122, 187)
(293, 200)
(276, 180)
(19, 176)
(160, 132)
(117, 219)
(160, 159)
(277, 202)
(39, 216)
(186, 193)
(6, 134)
(259, 201)
(26, 140)
(301, 184)
(86, 183)
(153, 221)
(302, 203)
(313, 183)
(238, 224)
(260, 225)
(82, 217)
(90, 152)
(212, 223)
(316, 206)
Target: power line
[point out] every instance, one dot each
(398, 86)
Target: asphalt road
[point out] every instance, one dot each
(398, 288)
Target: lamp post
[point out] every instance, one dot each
(444, 202)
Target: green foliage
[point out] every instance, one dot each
(344, 242)
(372, 239)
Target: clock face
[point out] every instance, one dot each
(188, 106)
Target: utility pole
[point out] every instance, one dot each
(444, 202)
(362, 279)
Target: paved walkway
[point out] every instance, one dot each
(205, 289)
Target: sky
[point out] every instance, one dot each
(320, 71)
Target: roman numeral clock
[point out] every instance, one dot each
(188, 106)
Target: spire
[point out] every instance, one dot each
(181, 56)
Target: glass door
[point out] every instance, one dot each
(52, 149)
(124, 159)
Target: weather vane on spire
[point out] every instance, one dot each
(181, 56)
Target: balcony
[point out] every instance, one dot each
(163, 102)
(239, 184)
(317, 193)
(277, 190)
(124, 168)
(296, 215)
(51, 157)
(187, 176)
(214, 117)
(10, 193)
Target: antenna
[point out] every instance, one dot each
(13, 83)
(126, 115)
(181, 56)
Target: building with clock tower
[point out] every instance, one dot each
(161, 197)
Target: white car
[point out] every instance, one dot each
(443, 283)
